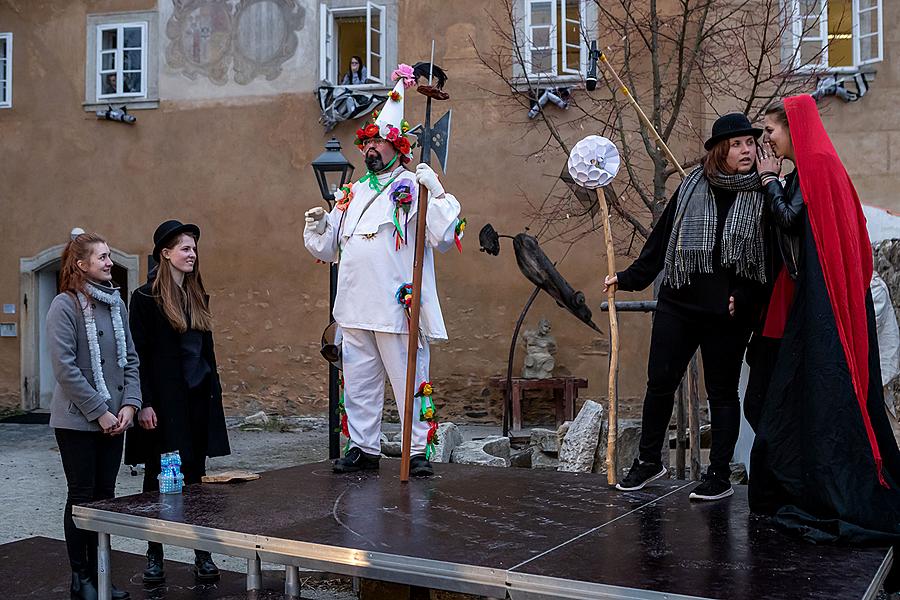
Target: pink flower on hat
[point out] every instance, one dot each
(404, 72)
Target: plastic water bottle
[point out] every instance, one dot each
(171, 480)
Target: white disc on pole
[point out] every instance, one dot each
(593, 162)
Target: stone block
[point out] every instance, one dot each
(492, 451)
(545, 440)
(579, 447)
(449, 438)
(629, 440)
(739, 474)
(543, 460)
(392, 444)
(521, 459)
(260, 419)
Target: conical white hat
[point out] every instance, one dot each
(391, 114)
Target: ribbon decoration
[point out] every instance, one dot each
(345, 428)
(458, 233)
(403, 195)
(428, 413)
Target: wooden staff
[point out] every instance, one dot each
(637, 107)
(612, 470)
(416, 305)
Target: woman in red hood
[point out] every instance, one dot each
(824, 462)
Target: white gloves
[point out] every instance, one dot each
(426, 176)
(315, 220)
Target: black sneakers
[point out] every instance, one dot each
(712, 487)
(356, 460)
(419, 466)
(640, 474)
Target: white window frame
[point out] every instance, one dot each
(149, 96)
(552, 35)
(6, 71)
(373, 26)
(119, 28)
(378, 20)
(798, 37)
(561, 72)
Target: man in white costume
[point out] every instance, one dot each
(371, 233)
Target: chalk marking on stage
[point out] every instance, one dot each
(334, 512)
(598, 527)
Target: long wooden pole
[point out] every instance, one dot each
(643, 117)
(693, 395)
(612, 468)
(412, 348)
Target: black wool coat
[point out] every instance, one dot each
(190, 420)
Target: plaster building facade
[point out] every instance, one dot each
(224, 94)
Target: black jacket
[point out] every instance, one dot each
(708, 293)
(190, 419)
(786, 209)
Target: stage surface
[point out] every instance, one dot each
(38, 569)
(497, 532)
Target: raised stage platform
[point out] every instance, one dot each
(502, 533)
(38, 569)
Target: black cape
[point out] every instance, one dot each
(812, 468)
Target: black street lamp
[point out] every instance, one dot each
(332, 170)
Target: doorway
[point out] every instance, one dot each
(39, 284)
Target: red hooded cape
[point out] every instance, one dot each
(842, 242)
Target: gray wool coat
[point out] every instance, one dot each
(76, 403)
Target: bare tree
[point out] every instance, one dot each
(680, 59)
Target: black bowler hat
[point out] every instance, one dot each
(166, 231)
(730, 126)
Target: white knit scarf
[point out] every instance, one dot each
(113, 299)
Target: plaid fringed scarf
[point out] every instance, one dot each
(693, 236)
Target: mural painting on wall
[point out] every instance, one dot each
(255, 37)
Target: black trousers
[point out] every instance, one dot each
(91, 463)
(673, 341)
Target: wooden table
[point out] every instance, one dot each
(565, 392)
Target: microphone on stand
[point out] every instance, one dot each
(591, 80)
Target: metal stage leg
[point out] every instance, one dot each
(104, 583)
(291, 581)
(254, 574)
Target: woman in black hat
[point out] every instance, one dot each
(710, 245)
(172, 329)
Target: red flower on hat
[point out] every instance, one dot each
(393, 134)
(395, 96)
(402, 145)
(371, 130)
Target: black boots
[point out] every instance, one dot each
(205, 569)
(154, 573)
(356, 460)
(83, 587)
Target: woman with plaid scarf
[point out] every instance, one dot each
(710, 245)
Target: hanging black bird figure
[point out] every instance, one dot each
(540, 270)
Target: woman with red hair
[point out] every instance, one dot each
(824, 462)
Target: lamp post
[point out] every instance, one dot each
(332, 170)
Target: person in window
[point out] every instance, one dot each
(710, 244)
(97, 391)
(109, 84)
(172, 328)
(356, 74)
(824, 461)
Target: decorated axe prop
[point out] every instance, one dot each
(433, 90)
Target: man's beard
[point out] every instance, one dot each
(374, 162)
